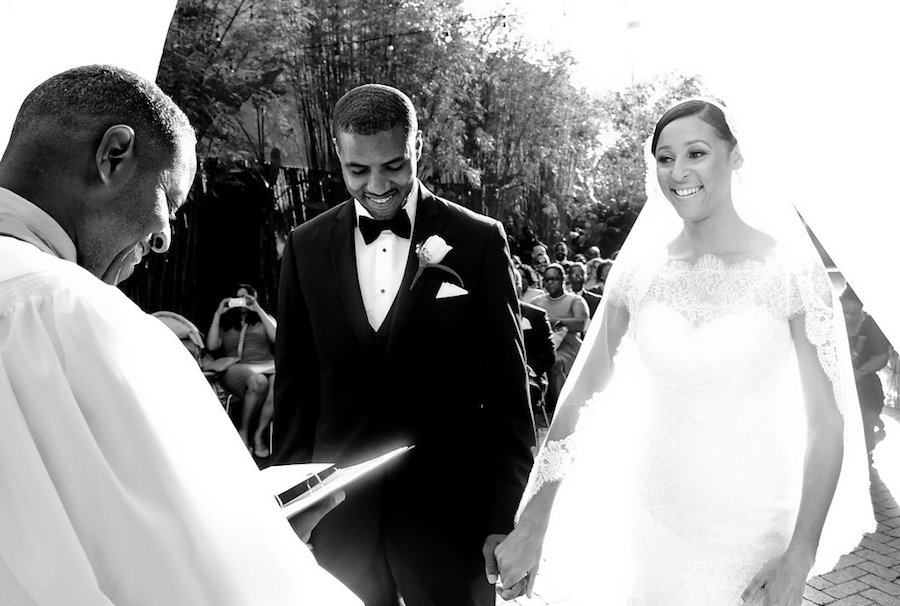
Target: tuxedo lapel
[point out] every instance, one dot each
(428, 222)
(344, 259)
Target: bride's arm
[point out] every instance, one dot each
(519, 554)
(785, 576)
(824, 448)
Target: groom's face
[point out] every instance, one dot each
(380, 169)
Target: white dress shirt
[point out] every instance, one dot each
(380, 265)
(122, 480)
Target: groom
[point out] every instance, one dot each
(383, 341)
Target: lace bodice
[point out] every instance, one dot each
(711, 290)
(707, 332)
(707, 289)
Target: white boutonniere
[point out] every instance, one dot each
(431, 252)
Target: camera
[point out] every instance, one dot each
(237, 302)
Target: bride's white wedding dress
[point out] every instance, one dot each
(689, 465)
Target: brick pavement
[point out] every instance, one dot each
(869, 576)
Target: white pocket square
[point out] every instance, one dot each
(449, 289)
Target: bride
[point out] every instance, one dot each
(718, 439)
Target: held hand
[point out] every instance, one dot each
(518, 558)
(780, 582)
(492, 571)
(223, 306)
(490, 562)
(304, 522)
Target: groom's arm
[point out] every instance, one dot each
(297, 377)
(505, 382)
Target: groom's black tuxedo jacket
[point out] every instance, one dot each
(447, 375)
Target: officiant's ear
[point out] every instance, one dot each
(337, 148)
(114, 158)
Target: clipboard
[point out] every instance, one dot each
(298, 487)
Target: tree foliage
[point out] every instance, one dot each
(610, 181)
(506, 131)
(222, 54)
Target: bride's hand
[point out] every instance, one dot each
(518, 558)
(780, 582)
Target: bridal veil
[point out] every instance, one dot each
(596, 436)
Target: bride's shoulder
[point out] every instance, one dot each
(793, 257)
(772, 254)
(761, 245)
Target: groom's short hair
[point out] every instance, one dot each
(372, 108)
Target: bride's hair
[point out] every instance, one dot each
(706, 110)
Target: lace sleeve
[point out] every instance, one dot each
(582, 392)
(551, 465)
(811, 297)
(617, 293)
(555, 458)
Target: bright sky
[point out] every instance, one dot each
(596, 32)
(722, 39)
(813, 83)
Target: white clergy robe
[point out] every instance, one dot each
(122, 481)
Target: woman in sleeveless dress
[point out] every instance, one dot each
(719, 457)
(244, 333)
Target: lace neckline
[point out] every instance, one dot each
(712, 262)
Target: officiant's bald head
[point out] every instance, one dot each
(75, 108)
(109, 156)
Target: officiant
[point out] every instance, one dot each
(398, 324)
(106, 497)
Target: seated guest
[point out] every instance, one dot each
(245, 334)
(599, 276)
(576, 286)
(568, 315)
(539, 352)
(870, 351)
(561, 254)
(530, 283)
(541, 261)
(593, 252)
(527, 245)
(590, 273)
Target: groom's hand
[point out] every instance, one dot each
(304, 522)
(491, 570)
(511, 593)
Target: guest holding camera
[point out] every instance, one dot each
(244, 333)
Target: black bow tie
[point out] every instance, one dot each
(399, 224)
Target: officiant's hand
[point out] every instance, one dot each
(304, 522)
(518, 558)
(780, 582)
